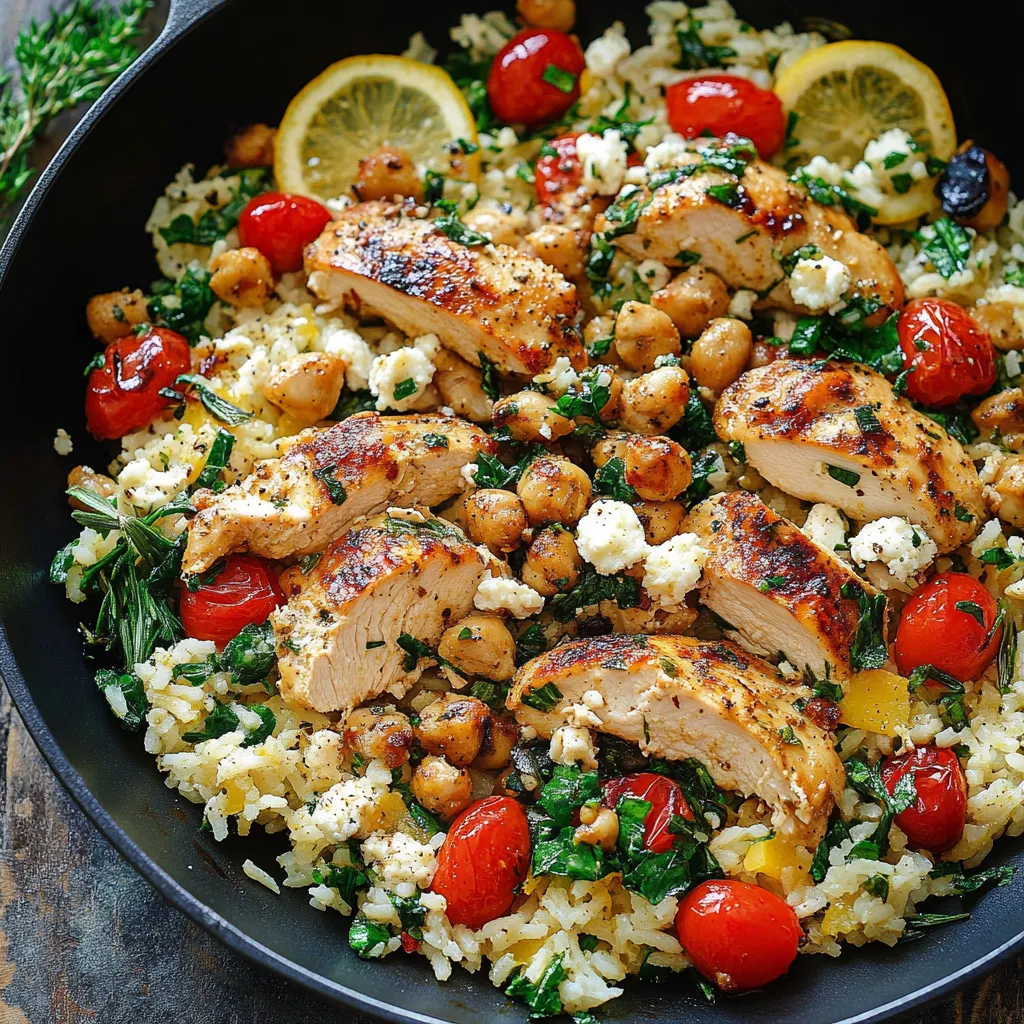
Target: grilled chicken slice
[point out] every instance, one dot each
(836, 433)
(490, 300)
(679, 697)
(742, 243)
(774, 585)
(329, 478)
(337, 637)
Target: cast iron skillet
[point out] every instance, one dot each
(218, 65)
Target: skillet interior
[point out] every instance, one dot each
(242, 65)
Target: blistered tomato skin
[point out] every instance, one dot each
(948, 354)
(665, 797)
(123, 395)
(738, 935)
(516, 85)
(559, 172)
(933, 630)
(936, 820)
(243, 593)
(720, 104)
(281, 225)
(483, 860)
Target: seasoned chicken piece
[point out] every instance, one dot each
(1001, 418)
(774, 585)
(1004, 488)
(836, 433)
(337, 637)
(479, 300)
(678, 697)
(329, 478)
(742, 243)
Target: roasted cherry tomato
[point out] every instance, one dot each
(948, 354)
(721, 104)
(940, 626)
(665, 797)
(124, 393)
(738, 935)
(484, 858)
(559, 172)
(281, 225)
(535, 77)
(936, 820)
(245, 591)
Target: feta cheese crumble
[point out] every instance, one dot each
(346, 809)
(611, 537)
(398, 379)
(741, 304)
(605, 52)
(500, 593)
(904, 548)
(819, 283)
(673, 569)
(570, 744)
(825, 526)
(559, 377)
(357, 354)
(62, 444)
(400, 862)
(603, 159)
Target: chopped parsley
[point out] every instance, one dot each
(610, 482)
(694, 53)
(335, 489)
(562, 80)
(950, 249)
(844, 476)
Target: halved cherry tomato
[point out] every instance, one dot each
(559, 172)
(721, 104)
(936, 820)
(535, 77)
(939, 626)
(124, 393)
(738, 935)
(281, 225)
(483, 860)
(948, 353)
(665, 797)
(244, 592)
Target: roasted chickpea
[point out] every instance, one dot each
(498, 744)
(561, 247)
(761, 354)
(90, 480)
(599, 826)
(530, 416)
(999, 320)
(113, 314)
(454, 727)
(661, 520)
(379, 732)
(657, 468)
(500, 227)
(480, 645)
(459, 385)
(251, 147)
(559, 14)
(552, 561)
(655, 401)
(642, 333)
(599, 330)
(442, 788)
(692, 300)
(388, 171)
(553, 490)
(495, 518)
(720, 354)
(611, 446)
(306, 386)
(1003, 414)
(242, 277)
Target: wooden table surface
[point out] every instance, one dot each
(83, 938)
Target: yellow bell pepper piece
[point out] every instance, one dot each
(840, 917)
(586, 81)
(776, 856)
(877, 701)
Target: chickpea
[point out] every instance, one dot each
(998, 319)
(655, 401)
(242, 277)
(692, 300)
(553, 490)
(599, 330)
(112, 315)
(561, 247)
(661, 520)
(388, 171)
(599, 826)
(558, 14)
(1002, 414)
(720, 354)
(496, 749)
(761, 354)
(379, 732)
(1004, 496)
(454, 727)
(500, 227)
(657, 468)
(306, 386)
(480, 645)
(494, 517)
(642, 333)
(611, 446)
(610, 410)
(530, 416)
(90, 480)
(460, 388)
(251, 147)
(552, 561)
(442, 788)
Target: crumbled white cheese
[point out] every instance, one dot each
(357, 354)
(593, 699)
(671, 152)
(825, 526)
(603, 159)
(400, 863)
(144, 488)
(504, 594)
(62, 444)
(787, 669)
(673, 569)
(604, 53)
(892, 154)
(468, 473)
(559, 377)
(570, 744)
(742, 303)
(819, 283)
(346, 809)
(988, 536)
(904, 548)
(611, 537)
(323, 754)
(407, 370)
(581, 715)
(654, 274)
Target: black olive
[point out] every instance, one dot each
(963, 187)
(594, 625)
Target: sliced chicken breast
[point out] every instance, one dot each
(329, 478)
(678, 697)
(836, 433)
(489, 300)
(774, 585)
(337, 637)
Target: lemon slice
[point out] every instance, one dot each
(846, 94)
(362, 103)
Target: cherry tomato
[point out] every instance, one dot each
(738, 935)
(124, 393)
(281, 225)
(948, 353)
(245, 591)
(721, 104)
(665, 797)
(936, 820)
(939, 626)
(559, 172)
(520, 84)
(484, 858)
